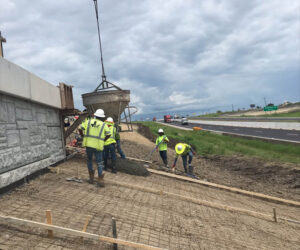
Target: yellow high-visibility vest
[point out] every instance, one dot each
(162, 145)
(94, 133)
(112, 138)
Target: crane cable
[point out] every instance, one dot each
(97, 17)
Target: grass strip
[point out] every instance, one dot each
(207, 143)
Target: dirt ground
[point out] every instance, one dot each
(273, 178)
(144, 217)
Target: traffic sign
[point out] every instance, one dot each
(270, 108)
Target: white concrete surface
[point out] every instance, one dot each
(272, 125)
(19, 82)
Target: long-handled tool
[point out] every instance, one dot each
(152, 151)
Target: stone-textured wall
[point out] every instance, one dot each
(30, 138)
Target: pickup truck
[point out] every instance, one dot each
(184, 121)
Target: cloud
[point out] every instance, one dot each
(172, 55)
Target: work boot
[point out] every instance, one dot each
(101, 181)
(91, 174)
(185, 170)
(191, 170)
(113, 167)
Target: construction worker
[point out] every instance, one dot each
(109, 146)
(185, 150)
(121, 153)
(161, 145)
(95, 132)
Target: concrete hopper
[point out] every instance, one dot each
(113, 102)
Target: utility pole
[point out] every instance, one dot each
(2, 40)
(265, 102)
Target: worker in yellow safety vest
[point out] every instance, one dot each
(95, 132)
(161, 145)
(109, 146)
(118, 138)
(185, 150)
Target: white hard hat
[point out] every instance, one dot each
(160, 130)
(99, 113)
(179, 147)
(109, 119)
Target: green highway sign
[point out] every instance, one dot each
(270, 108)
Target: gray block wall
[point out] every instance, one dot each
(30, 138)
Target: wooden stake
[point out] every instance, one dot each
(274, 213)
(49, 221)
(64, 230)
(231, 189)
(77, 172)
(114, 231)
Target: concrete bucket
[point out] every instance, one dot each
(113, 102)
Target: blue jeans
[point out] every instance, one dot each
(99, 159)
(119, 149)
(164, 157)
(109, 150)
(184, 159)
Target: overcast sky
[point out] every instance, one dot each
(172, 55)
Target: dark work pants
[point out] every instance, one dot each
(164, 157)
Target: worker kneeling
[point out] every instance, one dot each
(109, 146)
(184, 150)
(95, 132)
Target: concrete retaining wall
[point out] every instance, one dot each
(30, 138)
(30, 127)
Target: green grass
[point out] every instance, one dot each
(207, 143)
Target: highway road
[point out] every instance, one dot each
(278, 134)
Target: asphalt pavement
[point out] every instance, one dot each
(277, 134)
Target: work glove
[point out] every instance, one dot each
(173, 166)
(194, 153)
(156, 150)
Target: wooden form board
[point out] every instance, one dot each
(23, 222)
(135, 159)
(231, 189)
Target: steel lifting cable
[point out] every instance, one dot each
(99, 37)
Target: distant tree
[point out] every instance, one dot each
(219, 111)
(270, 105)
(252, 106)
(258, 107)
